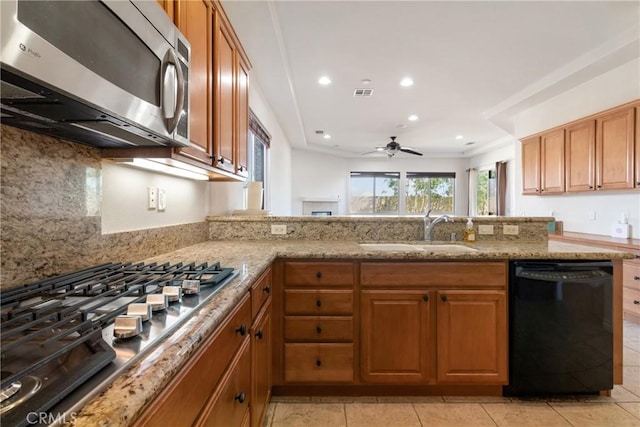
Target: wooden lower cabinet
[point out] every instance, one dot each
(472, 337)
(261, 365)
(395, 336)
(230, 403)
(318, 363)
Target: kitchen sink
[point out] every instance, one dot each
(418, 247)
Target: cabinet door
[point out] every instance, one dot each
(395, 334)
(195, 20)
(231, 400)
(243, 117)
(260, 365)
(580, 156)
(225, 92)
(472, 337)
(552, 162)
(615, 150)
(168, 6)
(531, 166)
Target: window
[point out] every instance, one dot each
(258, 142)
(430, 191)
(374, 193)
(486, 192)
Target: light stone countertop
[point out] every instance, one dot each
(125, 398)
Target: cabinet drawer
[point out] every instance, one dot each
(231, 400)
(325, 363)
(260, 292)
(463, 274)
(297, 273)
(198, 378)
(318, 328)
(631, 301)
(318, 302)
(631, 274)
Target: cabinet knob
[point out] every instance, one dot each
(444, 298)
(319, 274)
(598, 186)
(318, 362)
(241, 397)
(267, 289)
(636, 302)
(259, 334)
(591, 187)
(636, 277)
(319, 329)
(425, 298)
(541, 190)
(241, 168)
(221, 160)
(242, 330)
(318, 303)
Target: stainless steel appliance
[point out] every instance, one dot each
(64, 339)
(103, 73)
(560, 327)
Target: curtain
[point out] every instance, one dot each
(501, 188)
(473, 192)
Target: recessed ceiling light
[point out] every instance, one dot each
(380, 149)
(406, 82)
(324, 80)
(366, 81)
(459, 137)
(327, 136)
(413, 118)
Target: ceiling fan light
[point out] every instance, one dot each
(406, 82)
(324, 80)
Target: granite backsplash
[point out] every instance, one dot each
(50, 212)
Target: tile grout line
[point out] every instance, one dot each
(626, 410)
(344, 412)
(561, 416)
(487, 412)
(413, 406)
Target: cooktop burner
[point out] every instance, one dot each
(65, 339)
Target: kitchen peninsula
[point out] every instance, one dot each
(344, 265)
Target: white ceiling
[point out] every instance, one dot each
(475, 64)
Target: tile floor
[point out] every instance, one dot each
(621, 409)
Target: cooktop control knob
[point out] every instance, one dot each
(158, 302)
(140, 309)
(173, 293)
(127, 326)
(190, 286)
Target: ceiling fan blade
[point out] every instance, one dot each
(373, 152)
(410, 151)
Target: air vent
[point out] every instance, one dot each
(363, 92)
(319, 132)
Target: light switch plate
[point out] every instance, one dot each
(485, 229)
(510, 230)
(152, 197)
(162, 199)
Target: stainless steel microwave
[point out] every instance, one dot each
(102, 73)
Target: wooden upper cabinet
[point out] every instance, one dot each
(552, 162)
(531, 165)
(195, 19)
(242, 89)
(168, 6)
(615, 149)
(225, 105)
(580, 156)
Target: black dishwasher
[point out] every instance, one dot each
(560, 327)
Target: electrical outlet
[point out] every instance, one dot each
(162, 199)
(152, 197)
(485, 229)
(278, 229)
(510, 230)
(592, 215)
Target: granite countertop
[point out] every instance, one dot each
(125, 398)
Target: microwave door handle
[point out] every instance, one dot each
(170, 58)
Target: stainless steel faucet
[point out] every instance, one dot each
(428, 224)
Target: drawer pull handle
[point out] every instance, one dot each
(318, 362)
(637, 256)
(636, 302)
(425, 298)
(319, 274)
(636, 277)
(259, 334)
(318, 303)
(241, 397)
(267, 289)
(319, 329)
(242, 330)
(444, 298)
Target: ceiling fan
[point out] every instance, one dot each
(392, 148)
